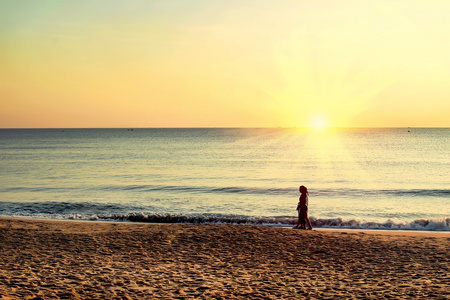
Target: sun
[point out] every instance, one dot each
(318, 122)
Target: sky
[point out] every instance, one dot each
(211, 63)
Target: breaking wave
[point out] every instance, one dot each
(136, 213)
(420, 224)
(281, 221)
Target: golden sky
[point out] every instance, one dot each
(210, 63)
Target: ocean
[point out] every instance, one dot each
(384, 178)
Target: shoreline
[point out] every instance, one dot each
(78, 259)
(382, 231)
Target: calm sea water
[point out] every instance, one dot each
(357, 178)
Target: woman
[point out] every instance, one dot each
(302, 208)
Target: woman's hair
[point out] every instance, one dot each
(304, 190)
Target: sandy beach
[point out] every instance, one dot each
(100, 260)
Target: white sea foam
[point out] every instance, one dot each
(419, 224)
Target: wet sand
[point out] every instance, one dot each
(99, 260)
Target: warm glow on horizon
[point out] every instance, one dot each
(375, 63)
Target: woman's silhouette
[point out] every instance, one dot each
(302, 209)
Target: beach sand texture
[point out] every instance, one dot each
(95, 260)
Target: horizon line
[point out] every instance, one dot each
(236, 127)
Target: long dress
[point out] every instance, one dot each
(302, 208)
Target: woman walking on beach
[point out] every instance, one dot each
(302, 209)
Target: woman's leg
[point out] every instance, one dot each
(307, 221)
(298, 221)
